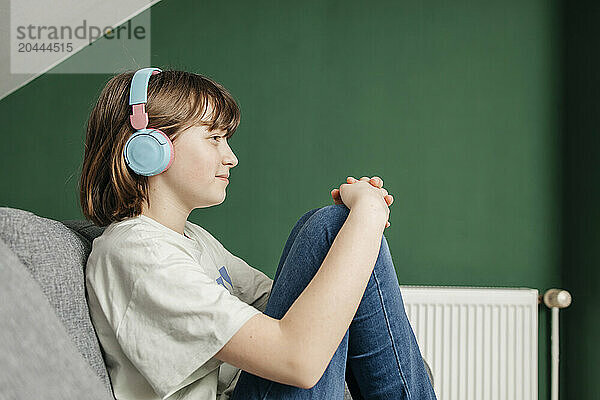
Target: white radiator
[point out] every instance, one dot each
(481, 343)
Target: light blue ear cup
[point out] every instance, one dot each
(148, 152)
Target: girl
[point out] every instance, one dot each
(180, 317)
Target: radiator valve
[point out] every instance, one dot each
(558, 298)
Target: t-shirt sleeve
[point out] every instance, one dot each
(251, 285)
(178, 318)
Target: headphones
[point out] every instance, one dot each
(148, 151)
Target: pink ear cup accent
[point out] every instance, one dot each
(172, 150)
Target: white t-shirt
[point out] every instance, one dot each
(163, 305)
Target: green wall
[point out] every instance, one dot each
(581, 234)
(456, 105)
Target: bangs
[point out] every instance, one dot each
(212, 106)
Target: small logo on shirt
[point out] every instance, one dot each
(224, 275)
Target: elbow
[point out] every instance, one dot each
(308, 374)
(308, 382)
(304, 365)
(312, 383)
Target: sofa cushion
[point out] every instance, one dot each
(55, 256)
(85, 228)
(39, 360)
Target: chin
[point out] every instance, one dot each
(211, 201)
(222, 199)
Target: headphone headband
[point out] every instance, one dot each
(138, 96)
(148, 151)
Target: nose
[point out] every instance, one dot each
(229, 157)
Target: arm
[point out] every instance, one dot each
(296, 349)
(320, 317)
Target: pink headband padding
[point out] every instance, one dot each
(139, 118)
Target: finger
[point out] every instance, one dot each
(378, 181)
(365, 178)
(387, 224)
(385, 192)
(375, 183)
(389, 199)
(336, 196)
(351, 179)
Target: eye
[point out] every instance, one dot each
(218, 137)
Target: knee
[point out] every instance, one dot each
(334, 216)
(329, 219)
(334, 212)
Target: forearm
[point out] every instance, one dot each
(317, 321)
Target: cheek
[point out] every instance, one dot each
(193, 166)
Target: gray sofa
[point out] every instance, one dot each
(48, 344)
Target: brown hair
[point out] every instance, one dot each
(109, 191)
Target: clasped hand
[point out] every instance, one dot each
(375, 181)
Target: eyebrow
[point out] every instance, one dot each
(209, 134)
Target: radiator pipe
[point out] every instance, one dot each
(556, 299)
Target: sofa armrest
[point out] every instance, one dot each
(39, 360)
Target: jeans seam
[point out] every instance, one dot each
(267, 391)
(387, 323)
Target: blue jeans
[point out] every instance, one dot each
(378, 357)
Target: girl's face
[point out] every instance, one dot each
(200, 156)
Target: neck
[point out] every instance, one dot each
(167, 213)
